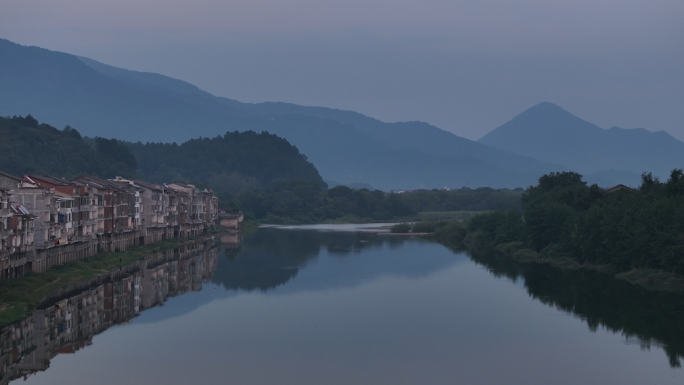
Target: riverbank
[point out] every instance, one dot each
(650, 279)
(20, 296)
(425, 216)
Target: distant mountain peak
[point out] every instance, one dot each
(546, 113)
(545, 119)
(549, 133)
(545, 106)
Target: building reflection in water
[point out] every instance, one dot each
(68, 321)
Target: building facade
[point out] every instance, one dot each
(47, 221)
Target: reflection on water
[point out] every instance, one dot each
(270, 258)
(341, 227)
(68, 321)
(643, 317)
(348, 307)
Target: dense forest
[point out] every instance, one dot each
(562, 217)
(300, 201)
(464, 199)
(304, 201)
(232, 163)
(28, 147)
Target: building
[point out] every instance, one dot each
(47, 221)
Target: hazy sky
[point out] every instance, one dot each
(465, 66)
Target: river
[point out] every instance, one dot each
(317, 306)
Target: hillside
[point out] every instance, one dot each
(28, 147)
(229, 163)
(552, 134)
(346, 147)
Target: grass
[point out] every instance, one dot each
(447, 215)
(19, 297)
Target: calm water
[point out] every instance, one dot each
(297, 306)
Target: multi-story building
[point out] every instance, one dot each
(47, 221)
(17, 232)
(198, 208)
(160, 217)
(69, 220)
(117, 227)
(6, 224)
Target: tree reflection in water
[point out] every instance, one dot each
(650, 317)
(271, 258)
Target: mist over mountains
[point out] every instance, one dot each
(346, 147)
(551, 134)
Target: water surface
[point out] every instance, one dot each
(294, 306)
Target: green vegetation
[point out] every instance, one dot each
(18, 297)
(302, 201)
(635, 233)
(230, 164)
(426, 227)
(28, 147)
(438, 216)
(464, 199)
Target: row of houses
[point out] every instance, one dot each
(68, 321)
(47, 221)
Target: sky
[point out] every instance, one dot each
(465, 66)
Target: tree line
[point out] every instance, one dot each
(28, 147)
(464, 199)
(563, 217)
(232, 163)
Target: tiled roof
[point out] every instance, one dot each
(50, 179)
(148, 185)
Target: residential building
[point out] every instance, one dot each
(47, 221)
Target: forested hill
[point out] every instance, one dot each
(231, 163)
(28, 147)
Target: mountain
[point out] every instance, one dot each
(418, 136)
(552, 134)
(347, 147)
